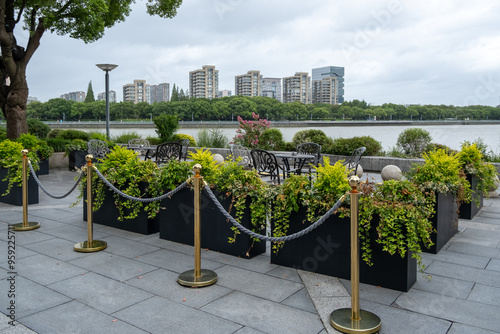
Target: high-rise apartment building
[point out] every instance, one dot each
(297, 88)
(204, 83)
(102, 96)
(224, 93)
(328, 85)
(248, 84)
(159, 93)
(136, 92)
(271, 87)
(74, 96)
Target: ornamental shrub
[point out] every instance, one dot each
(413, 141)
(345, 146)
(179, 136)
(166, 125)
(249, 132)
(272, 139)
(311, 136)
(38, 128)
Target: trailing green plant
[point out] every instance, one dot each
(11, 159)
(441, 173)
(38, 128)
(44, 150)
(403, 211)
(413, 141)
(345, 146)
(472, 160)
(271, 139)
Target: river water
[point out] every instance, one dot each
(449, 135)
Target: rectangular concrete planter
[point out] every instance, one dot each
(444, 221)
(177, 224)
(108, 215)
(327, 250)
(469, 210)
(15, 196)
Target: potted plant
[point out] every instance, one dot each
(442, 174)
(240, 193)
(76, 152)
(479, 174)
(11, 174)
(132, 176)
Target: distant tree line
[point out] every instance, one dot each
(229, 108)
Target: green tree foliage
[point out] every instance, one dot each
(38, 128)
(85, 20)
(90, 94)
(413, 141)
(345, 146)
(166, 125)
(311, 136)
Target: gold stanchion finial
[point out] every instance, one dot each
(90, 245)
(197, 277)
(25, 225)
(355, 320)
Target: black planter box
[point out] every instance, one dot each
(44, 167)
(177, 224)
(327, 250)
(469, 210)
(15, 196)
(108, 215)
(444, 221)
(76, 160)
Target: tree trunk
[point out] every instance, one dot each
(15, 110)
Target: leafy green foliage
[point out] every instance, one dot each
(11, 159)
(125, 137)
(192, 141)
(166, 125)
(311, 136)
(271, 139)
(413, 141)
(345, 146)
(73, 134)
(58, 144)
(38, 128)
(214, 138)
(209, 166)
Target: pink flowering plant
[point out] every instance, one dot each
(249, 132)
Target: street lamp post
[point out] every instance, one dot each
(106, 68)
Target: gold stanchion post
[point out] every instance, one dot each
(90, 245)
(25, 225)
(197, 277)
(355, 320)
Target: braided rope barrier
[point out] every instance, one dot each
(45, 191)
(265, 237)
(138, 199)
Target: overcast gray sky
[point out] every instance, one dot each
(399, 51)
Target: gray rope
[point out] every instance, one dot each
(138, 199)
(273, 239)
(45, 191)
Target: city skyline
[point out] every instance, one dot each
(393, 51)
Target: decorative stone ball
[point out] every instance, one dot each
(496, 184)
(391, 172)
(218, 158)
(359, 171)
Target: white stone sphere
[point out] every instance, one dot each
(391, 172)
(496, 184)
(218, 158)
(359, 171)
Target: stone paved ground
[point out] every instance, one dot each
(131, 286)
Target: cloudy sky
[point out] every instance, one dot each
(399, 51)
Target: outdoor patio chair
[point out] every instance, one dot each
(165, 152)
(353, 161)
(137, 145)
(310, 149)
(185, 144)
(98, 148)
(266, 164)
(238, 151)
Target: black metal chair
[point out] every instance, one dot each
(98, 148)
(266, 164)
(165, 152)
(310, 149)
(185, 144)
(353, 161)
(238, 151)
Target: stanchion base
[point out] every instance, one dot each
(97, 245)
(341, 320)
(24, 227)
(207, 277)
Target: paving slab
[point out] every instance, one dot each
(160, 315)
(446, 286)
(474, 275)
(289, 274)
(60, 249)
(485, 294)
(259, 263)
(479, 237)
(373, 293)
(460, 258)
(99, 292)
(494, 265)
(112, 265)
(458, 328)
(127, 247)
(256, 284)
(264, 315)
(464, 311)
(77, 318)
(163, 283)
(300, 300)
(465, 247)
(176, 262)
